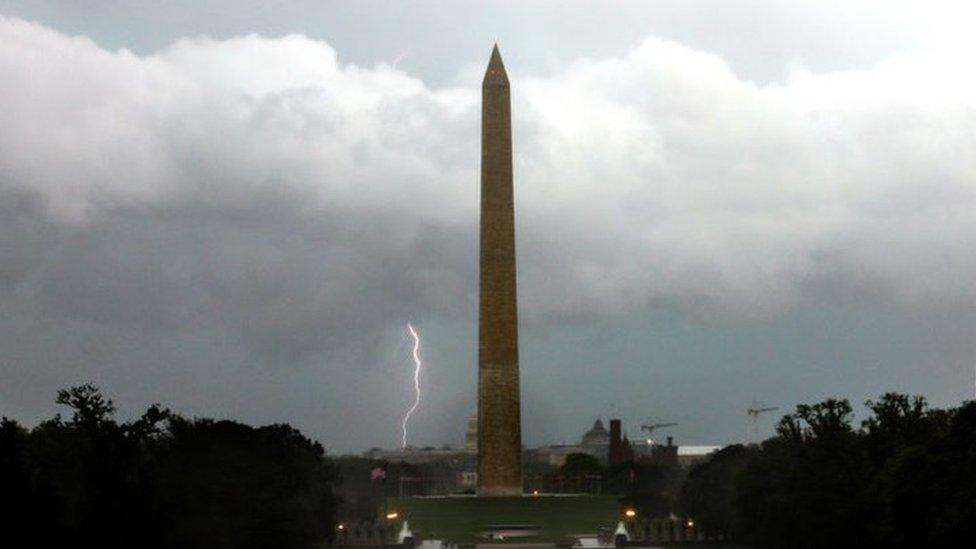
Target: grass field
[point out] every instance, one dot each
(462, 519)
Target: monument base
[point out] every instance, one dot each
(467, 519)
(499, 491)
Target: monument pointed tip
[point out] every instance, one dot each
(496, 58)
(496, 68)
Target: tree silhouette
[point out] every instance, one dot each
(161, 481)
(904, 479)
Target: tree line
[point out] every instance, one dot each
(161, 481)
(906, 477)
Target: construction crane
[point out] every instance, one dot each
(650, 429)
(754, 412)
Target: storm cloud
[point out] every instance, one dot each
(221, 217)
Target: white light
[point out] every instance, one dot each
(416, 380)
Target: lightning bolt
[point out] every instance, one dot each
(416, 379)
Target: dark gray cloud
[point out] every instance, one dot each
(243, 226)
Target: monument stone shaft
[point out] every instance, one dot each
(499, 420)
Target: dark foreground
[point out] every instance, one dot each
(904, 477)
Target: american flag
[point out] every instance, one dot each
(377, 474)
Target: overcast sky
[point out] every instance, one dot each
(234, 208)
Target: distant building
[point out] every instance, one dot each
(456, 467)
(597, 435)
(595, 442)
(667, 455)
(619, 450)
(468, 479)
(690, 455)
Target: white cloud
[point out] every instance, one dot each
(665, 178)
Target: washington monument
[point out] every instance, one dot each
(499, 420)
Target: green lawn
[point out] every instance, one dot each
(462, 519)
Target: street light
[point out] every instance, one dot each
(630, 513)
(393, 515)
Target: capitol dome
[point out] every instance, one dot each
(597, 436)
